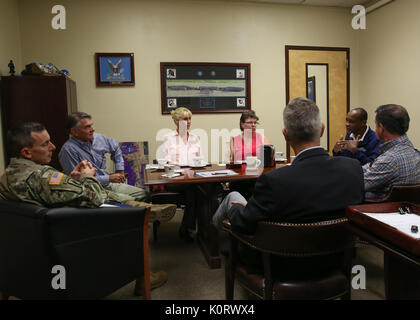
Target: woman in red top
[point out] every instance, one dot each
(249, 142)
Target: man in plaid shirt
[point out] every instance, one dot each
(398, 161)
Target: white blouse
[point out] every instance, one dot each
(178, 152)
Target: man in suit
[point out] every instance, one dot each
(361, 142)
(314, 187)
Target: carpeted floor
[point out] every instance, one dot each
(189, 277)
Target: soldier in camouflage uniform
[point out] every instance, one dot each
(29, 179)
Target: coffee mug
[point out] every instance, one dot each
(197, 161)
(162, 162)
(252, 163)
(169, 170)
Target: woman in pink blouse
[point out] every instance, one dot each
(180, 147)
(249, 142)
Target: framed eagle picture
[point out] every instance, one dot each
(114, 69)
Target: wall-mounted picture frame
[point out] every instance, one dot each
(205, 87)
(311, 88)
(114, 69)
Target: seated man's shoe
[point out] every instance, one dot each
(160, 212)
(157, 279)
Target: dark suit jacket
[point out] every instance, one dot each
(315, 187)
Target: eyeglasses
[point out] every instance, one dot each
(252, 122)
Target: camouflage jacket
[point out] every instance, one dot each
(26, 181)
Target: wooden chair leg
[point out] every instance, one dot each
(347, 295)
(230, 268)
(229, 281)
(3, 296)
(156, 225)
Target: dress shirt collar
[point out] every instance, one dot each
(307, 149)
(361, 139)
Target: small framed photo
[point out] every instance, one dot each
(171, 73)
(171, 103)
(114, 69)
(240, 73)
(311, 89)
(240, 102)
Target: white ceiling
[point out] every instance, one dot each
(330, 3)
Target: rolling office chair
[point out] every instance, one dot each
(101, 250)
(296, 243)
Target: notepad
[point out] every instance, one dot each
(401, 222)
(216, 173)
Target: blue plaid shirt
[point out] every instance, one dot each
(398, 163)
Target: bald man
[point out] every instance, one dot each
(361, 142)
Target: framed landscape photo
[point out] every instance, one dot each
(114, 69)
(205, 87)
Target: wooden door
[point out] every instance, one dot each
(337, 62)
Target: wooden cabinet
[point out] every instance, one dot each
(45, 99)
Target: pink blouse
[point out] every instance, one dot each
(242, 150)
(177, 152)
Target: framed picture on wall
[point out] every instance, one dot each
(205, 87)
(114, 69)
(311, 89)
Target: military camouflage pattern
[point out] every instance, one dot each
(26, 181)
(43, 185)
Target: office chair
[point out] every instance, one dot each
(409, 193)
(295, 245)
(101, 250)
(162, 196)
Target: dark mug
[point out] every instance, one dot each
(267, 156)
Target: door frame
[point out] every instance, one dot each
(291, 47)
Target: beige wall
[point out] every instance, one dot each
(390, 61)
(200, 31)
(9, 46)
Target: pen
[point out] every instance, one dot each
(219, 173)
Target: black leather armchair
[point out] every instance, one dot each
(313, 261)
(101, 250)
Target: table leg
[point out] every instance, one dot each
(402, 278)
(207, 234)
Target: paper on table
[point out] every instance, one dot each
(215, 173)
(106, 205)
(401, 222)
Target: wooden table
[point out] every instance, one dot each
(207, 233)
(401, 252)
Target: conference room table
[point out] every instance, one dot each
(401, 250)
(207, 233)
